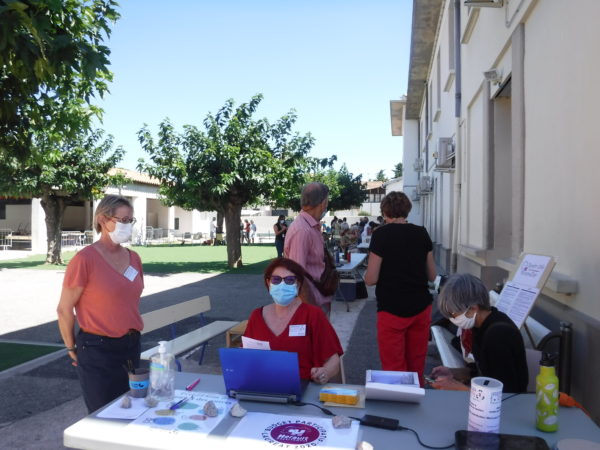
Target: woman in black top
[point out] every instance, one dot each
(498, 346)
(400, 264)
(280, 228)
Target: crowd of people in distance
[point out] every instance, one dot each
(104, 281)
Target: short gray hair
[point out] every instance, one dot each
(313, 194)
(460, 292)
(108, 206)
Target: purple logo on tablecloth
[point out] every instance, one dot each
(298, 433)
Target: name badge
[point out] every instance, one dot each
(130, 273)
(297, 330)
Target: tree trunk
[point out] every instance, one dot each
(233, 213)
(220, 221)
(54, 208)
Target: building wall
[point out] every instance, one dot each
(18, 217)
(527, 159)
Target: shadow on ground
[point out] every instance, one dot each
(233, 297)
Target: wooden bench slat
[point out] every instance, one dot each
(159, 318)
(194, 338)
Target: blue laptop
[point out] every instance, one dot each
(261, 375)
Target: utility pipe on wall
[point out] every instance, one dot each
(458, 148)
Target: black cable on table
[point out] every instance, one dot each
(401, 428)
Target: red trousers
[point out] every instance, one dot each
(403, 341)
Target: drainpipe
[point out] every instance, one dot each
(458, 148)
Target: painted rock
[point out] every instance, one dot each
(150, 401)
(210, 409)
(125, 402)
(341, 422)
(237, 411)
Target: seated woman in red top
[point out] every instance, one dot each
(292, 326)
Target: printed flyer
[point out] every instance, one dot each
(189, 418)
(264, 431)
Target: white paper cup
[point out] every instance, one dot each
(484, 405)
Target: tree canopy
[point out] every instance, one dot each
(60, 177)
(381, 176)
(52, 62)
(398, 169)
(346, 191)
(233, 161)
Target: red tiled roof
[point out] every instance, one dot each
(373, 184)
(136, 177)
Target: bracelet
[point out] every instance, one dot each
(72, 349)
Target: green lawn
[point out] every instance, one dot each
(14, 354)
(175, 259)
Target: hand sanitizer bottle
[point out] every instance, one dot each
(162, 374)
(546, 393)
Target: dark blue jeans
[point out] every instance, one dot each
(102, 366)
(279, 247)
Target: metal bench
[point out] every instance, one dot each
(188, 342)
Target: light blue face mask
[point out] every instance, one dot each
(283, 294)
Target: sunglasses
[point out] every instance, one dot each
(276, 279)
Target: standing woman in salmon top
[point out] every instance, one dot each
(101, 289)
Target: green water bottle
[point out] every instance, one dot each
(546, 394)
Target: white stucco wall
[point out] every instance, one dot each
(18, 217)
(562, 157)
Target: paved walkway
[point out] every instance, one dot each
(43, 398)
(45, 394)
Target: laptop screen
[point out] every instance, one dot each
(261, 375)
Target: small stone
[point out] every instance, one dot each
(341, 422)
(125, 402)
(237, 411)
(210, 409)
(364, 445)
(150, 401)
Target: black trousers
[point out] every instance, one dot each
(102, 366)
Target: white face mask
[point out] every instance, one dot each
(464, 322)
(121, 233)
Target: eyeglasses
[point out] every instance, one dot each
(455, 315)
(130, 220)
(276, 279)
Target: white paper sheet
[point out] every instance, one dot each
(114, 410)
(189, 418)
(516, 301)
(267, 431)
(531, 270)
(255, 344)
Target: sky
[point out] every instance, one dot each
(337, 63)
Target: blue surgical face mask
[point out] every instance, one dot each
(283, 294)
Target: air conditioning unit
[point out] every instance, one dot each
(445, 153)
(415, 195)
(418, 165)
(485, 3)
(425, 185)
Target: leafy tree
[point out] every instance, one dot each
(52, 62)
(236, 160)
(381, 176)
(62, 177)
(345, 190)
(398, 170)
(349, 191)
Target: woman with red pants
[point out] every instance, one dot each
(400, 264)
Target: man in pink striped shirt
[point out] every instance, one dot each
(304, 241)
